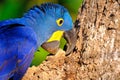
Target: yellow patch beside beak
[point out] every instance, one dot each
(56, 36)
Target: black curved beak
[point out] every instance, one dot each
(71, 38)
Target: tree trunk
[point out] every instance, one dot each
(97, 52)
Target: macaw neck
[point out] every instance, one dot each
(38, 27)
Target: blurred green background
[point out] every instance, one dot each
(16, 8)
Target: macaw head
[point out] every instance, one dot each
(51, 22)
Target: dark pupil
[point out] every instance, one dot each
(61, 21)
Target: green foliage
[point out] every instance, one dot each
(11, 9)
(39, 56)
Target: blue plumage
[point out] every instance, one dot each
(19, 38)
(17, 45)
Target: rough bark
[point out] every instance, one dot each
(97, 52)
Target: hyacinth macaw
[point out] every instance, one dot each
(19, 38)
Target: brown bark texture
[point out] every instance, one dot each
(97, 52)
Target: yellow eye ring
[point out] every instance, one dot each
(60, 22)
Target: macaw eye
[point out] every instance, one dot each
(60, 21)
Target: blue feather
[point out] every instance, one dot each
(17, 43)
(20, 37)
